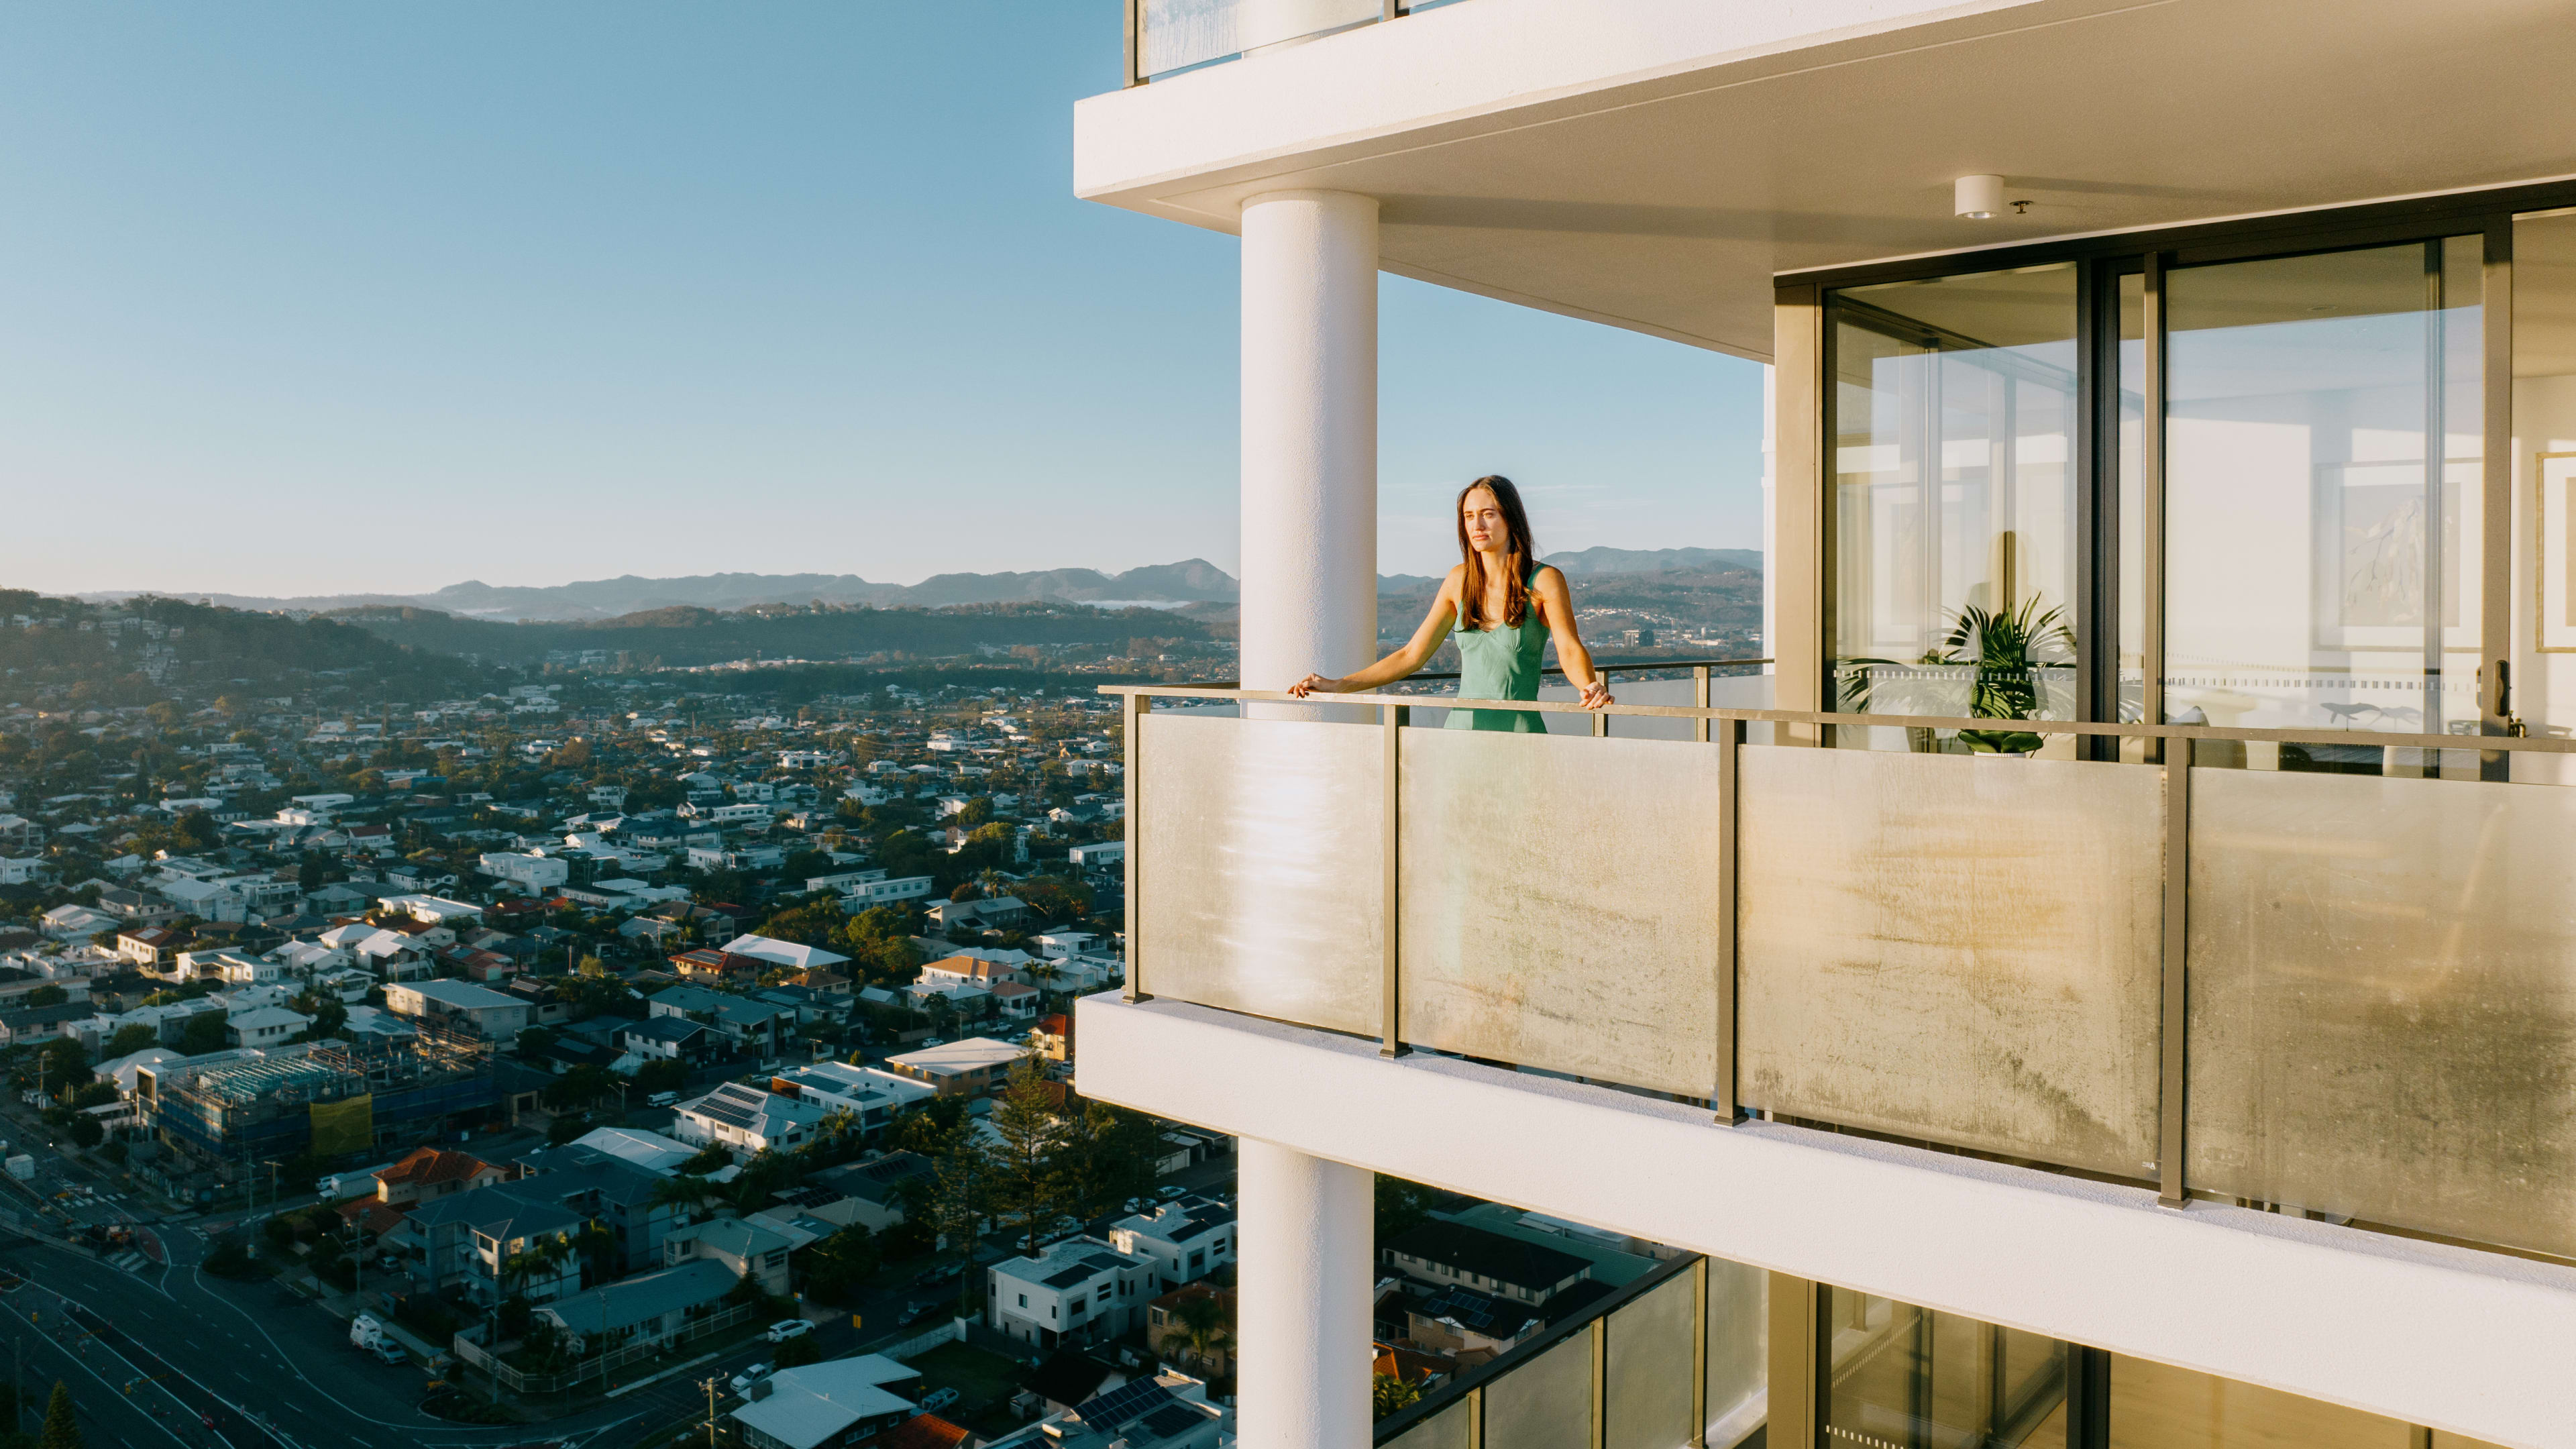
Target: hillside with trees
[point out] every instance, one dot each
(150, 648)
(687, 636)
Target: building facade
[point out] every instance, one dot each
(2072, 946)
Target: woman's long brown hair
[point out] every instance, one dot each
(1518, 550)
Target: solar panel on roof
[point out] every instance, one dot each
(1124, 1403)
(1171, 1421)
(1067, 1277)
(732, 1114)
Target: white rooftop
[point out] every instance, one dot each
(975, 1053)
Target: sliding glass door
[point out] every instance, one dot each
(2208, 488)
(1955, 527)
(2322, 490)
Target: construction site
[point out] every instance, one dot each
(321, 1098)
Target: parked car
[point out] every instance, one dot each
(662, 1099)
(391, 1352)
(743, 1381)
(1169, 1191)
(937, 1399)
(787, 1328)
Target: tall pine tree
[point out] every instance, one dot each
(62, 1431)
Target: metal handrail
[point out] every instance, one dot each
(1625, 666)
(2123, 729)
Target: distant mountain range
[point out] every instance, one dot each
(1190, 581)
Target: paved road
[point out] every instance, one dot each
(275, 1372)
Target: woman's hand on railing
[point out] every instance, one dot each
(1596, 694)
(1313, 682)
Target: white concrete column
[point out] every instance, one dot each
(1309, 435)
(1304, 1266)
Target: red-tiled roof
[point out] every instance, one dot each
(379, 1218)
(429, 1165)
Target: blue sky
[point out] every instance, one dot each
(304, 298)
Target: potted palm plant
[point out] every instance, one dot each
(2006, 653)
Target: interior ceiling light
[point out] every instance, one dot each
(1978, 198)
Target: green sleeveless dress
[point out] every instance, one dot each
(1501, 663)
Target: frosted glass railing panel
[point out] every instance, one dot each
(1451, 1428)
(1259, 849)
(1545, 1403)
(1558, 904)
(2383, 1001)
(1647, 1403)
(1179, 33)
(1739, 1352)
(1958, 948)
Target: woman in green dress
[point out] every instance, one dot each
(1505, 605)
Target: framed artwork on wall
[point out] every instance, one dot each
(2553, 538)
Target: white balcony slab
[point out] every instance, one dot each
(2470, 1342)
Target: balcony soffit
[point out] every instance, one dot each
(1668, 205)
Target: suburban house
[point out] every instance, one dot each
(656, 1307)
(960, 1068)
(842, 1401)
(264, 1026)
(432, 1172)
(1165, 1334)
(973, 971)
(1445, 1254)
(750, 1026)
(669, 1038)
(746, 1248)
(870, 1193)
(460, 1005)
(789, 954)
(1079, 1290)
(1187, 1239)
(747, 1119)
(871, 1094)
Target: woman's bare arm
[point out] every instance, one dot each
(1408, 660)
(1556, 604)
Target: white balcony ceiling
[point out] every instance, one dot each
(1652, 164)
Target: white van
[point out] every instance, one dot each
(662, 1099)
(365, 1331)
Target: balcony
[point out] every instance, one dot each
(1165, 37)
(1674, 1358)
(2348, 995)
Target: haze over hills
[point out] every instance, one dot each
(1190, 581)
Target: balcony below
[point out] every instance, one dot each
(1950, 1024)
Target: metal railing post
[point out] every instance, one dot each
(1601, 1382)
(1730, 758)
(1132, 728)
(1135, 41)
(1394, 718)
(1699, 1356)
(1699, 699)
(2174, 1060)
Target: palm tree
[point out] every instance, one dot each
(684, 1192)
(1046, 969)
(1203, 1332)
